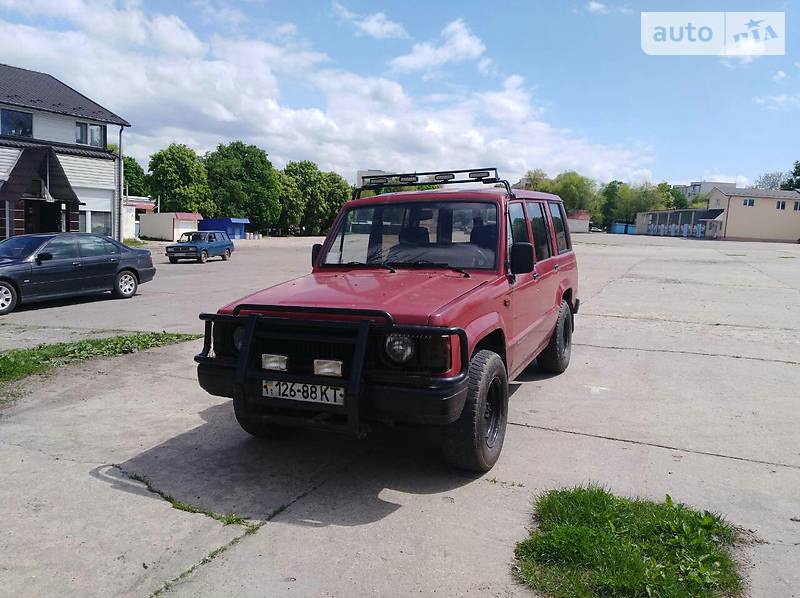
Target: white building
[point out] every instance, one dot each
(56, 172)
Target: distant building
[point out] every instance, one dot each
(733, 214)
(694, 189)
(362, 173)
(56, 171)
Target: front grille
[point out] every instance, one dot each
(302, 353)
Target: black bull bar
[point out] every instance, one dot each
(364, 323)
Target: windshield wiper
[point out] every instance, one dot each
(427, 264)
(370, 265)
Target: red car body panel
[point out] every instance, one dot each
(523, 308)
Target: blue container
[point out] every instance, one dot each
(233, 226)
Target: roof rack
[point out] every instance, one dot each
(487, 176)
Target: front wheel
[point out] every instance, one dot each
(203, 257)
(173, 260)
(125, 285)
(474, 441)
(555, 357)
(8, 298)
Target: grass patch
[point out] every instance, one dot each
(134, 243)
(20, 363)
(590, 543)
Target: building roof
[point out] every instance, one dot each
(711, 214)
(61, 148)
(40, 91)
(187, 216)
(767, 193)
(231, 220)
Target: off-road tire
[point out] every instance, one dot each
(226, 255)
(203, 257)
(8, 297)
(555, 357)
(473, 442)
(173, 260)
(125, 285)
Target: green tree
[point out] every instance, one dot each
(679, 199)
(337, 191)
(700, 201)
(244, 183)
(136, 182)
(311, 183)
(292, 202)
(534, 180)
(577, 191)
(611, 194)
(771, 180)
(178, 176)
(793, 180)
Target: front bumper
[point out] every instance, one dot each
(369, 396)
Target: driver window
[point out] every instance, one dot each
(62, 248)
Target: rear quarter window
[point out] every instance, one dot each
(563, 242)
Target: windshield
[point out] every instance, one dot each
(438, 233)
(194, 237)
(20, 247)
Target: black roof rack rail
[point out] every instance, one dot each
(487, 176)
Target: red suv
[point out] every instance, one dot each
(420, 307)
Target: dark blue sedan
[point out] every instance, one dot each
(55, 265)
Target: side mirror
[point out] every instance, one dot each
(315, 249)
(43, 257)
(521, 258)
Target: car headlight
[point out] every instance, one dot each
(399, 347)
(238, 338)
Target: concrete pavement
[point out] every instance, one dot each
(683, 380)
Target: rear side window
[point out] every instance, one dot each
(62, 248)
(541, 230)
(93, 246)
(560, 228)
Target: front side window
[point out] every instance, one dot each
(101, 223)
(62, 248)
(452, 233)
(81, 133)
(94, 246)
(19, 247)
(541, 230)
(16, 123)
(560, 228)
(518, 228)
(97, 135)
(193, 237)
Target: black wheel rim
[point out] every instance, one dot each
(493, 413)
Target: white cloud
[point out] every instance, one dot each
(285, 30)
(597, 7)
(458, 44)
(717, 177)
(779, 76)
(376, 25)
(781, 101)
(232, 90)
(170, 34)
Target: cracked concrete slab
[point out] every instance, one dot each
(679, 384)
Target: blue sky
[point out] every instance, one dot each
(413, 85)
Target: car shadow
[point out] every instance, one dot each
(63, 302)
(533, 373)
(217, 467)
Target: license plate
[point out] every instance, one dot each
(298, 391)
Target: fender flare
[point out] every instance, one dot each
(480, 328)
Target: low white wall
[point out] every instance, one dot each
(578, 226)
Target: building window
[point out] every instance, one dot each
(81, 133)
(749, 202)
(35, 189)
(97, 135)
(16, 123)
(82, 221)
(797, 206)
(101, 223)
(780, 205)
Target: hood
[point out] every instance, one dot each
(410, 296)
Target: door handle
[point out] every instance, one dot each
(113, 260)
(555, 267)
(536, 276)
(76, 265)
